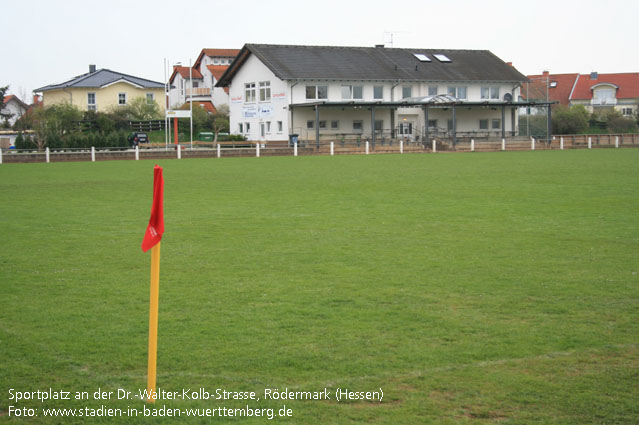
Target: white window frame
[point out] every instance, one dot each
(349, 90)
(360, 124)
(249, 92)
(280, 126)
(265, 91)
(455, 91)
(410, 92)
(152, 96)
(92, 106)
(316, 91)
(380, 88)
(492, 124)
(334, 124)
(119, 99)
(431, 89)
(489, 93)
(484, 124)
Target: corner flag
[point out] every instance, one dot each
(155, 228)
(151, 240)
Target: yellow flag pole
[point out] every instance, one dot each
(153, 321)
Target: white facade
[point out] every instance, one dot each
(13, 109)
(204, 89)
(260, 107)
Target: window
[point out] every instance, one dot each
(442, 58)
(195, 84)
(458, 92)
(407, 91)
(150, 98)
(215, 61)
(247, 125)
(432, 123)
(378, 92)
(496, 124)
(322, 125)
(432, 90)
(249, 92)
(121, 98)
(352, 92)
(310, 124)
(317, 92)
(268, 126)
(483, 124)
(450, 125)
(626, 112)
(421, 57)
(335, 125)
(490, 93)
(279, 126)
(379, 125)
(553, 84)
(265, 91)
(91, 106)
(358, 125)
(241, 128)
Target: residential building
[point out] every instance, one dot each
(596, 92)
(102, 89)
(339, 92)
(13, 109)
(205, 72)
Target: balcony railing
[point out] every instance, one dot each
(603, 102)
(200, 91)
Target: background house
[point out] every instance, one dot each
(319, 91)
(99, 90)
(596, 92)
(206, 71)
(12, 109)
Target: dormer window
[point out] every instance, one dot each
(604, 94)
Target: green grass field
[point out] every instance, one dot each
(471, 288)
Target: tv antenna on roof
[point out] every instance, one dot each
(392, 35)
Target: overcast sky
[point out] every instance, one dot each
(48, 41)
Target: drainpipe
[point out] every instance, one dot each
(291, 108)
(70, 95)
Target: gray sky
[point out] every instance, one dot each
(48, 41)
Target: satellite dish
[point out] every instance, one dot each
(508, 97)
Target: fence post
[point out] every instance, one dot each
(219, 152)
(92, 153)
(616, 145)
(532, 143)
(472, 145)
(0, 155)
(503, 144)
(589, 142)
(434, 145)
(46, 154)
(257, 150)
(401, 146)
(179, 151)
(367, 147)
(561, 143)
(137, 153)
(332, 148)
(295, 149)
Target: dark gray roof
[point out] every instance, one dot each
(101, 78)
(375, 63)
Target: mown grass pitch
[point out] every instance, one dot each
(470, 288)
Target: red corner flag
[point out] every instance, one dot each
(155, 228)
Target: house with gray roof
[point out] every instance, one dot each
(101, 89)
(328, 93)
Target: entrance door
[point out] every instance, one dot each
(406, 129)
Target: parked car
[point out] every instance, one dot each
(136, 138)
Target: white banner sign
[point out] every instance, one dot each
(178, 114)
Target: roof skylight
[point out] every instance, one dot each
(442, 58)
(422, 57)
(553, 84)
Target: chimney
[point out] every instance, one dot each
(36, 99)
(594, 75)
(546, 74)
(509, 63)
(91, 69)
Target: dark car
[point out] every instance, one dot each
(137, 138)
